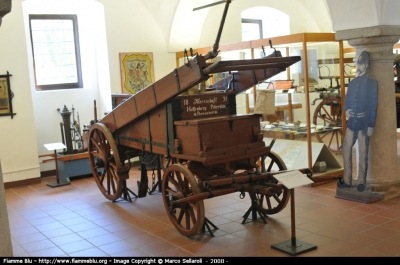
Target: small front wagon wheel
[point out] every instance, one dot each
(177, 183)
(272, 204)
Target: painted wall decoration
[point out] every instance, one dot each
(360, 106)
(137, 71)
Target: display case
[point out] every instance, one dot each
(310, 111)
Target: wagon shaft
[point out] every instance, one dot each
(252, 182)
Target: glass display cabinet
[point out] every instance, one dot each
(308, 120)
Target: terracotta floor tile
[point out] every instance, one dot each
(75, 246)
(157, 248)
(141, 240)
(103, 240)
(394, 225)
(23, 231)
(380, 232)
(387, 247)
(367, 253)
(38, 245)
(78, 221)
(362, 240)
(65, 239)
(201, 248)
(49, 226)
(355, 226)
(19, 225)
(29, 238)
(339, 248)
(395, 239)
(94, 232)
(177, 252)
(336, 233)
(131, 252)
(41, 221)
(351, 214)
(57, 232)
(73, 221)
(89, 252)
(118, 226)
(368, 208)
(316, 239)
(115, 247)
(313, 226)
(48, 252)
(374, 219)
(388, 213)
(19, 251)
(83, 227)
(231, 227)
(245, 248)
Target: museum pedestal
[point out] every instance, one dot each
(378, 41)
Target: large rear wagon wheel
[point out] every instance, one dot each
(178, 182)
(272, 204)
(104, 161)
(329, 111)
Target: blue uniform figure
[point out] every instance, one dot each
(360, 106)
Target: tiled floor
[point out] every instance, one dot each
(77, 220)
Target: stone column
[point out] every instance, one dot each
(378, 41)
(5, 242)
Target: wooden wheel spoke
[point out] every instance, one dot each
(181, 214)
(330, 111)
(330, 141)
(193, 206)
(191, 215)
(179, 181)
(170, 191)
(268, 203)
(103, 155)
(276, 202)
(271, 164)
(326, 113)
(276, 198)
(187, 219)
(93, 141)
(323, 134)
(173, 181)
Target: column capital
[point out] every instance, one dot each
(370, 35)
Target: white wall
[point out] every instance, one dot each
(363, 13)
(130, 26)
(199, 28)
(18, 149)
(93, 51)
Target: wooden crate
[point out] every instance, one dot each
(218, 135)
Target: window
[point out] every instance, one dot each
(55, 49)
(251, 29)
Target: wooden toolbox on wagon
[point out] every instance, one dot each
(225, 136)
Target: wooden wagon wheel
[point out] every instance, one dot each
(104, 161)
(178, 182)
(330, 112)
(272, 204)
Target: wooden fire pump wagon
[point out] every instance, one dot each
(205, 148)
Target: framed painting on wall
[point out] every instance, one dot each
(137, 71)
(6, 96)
